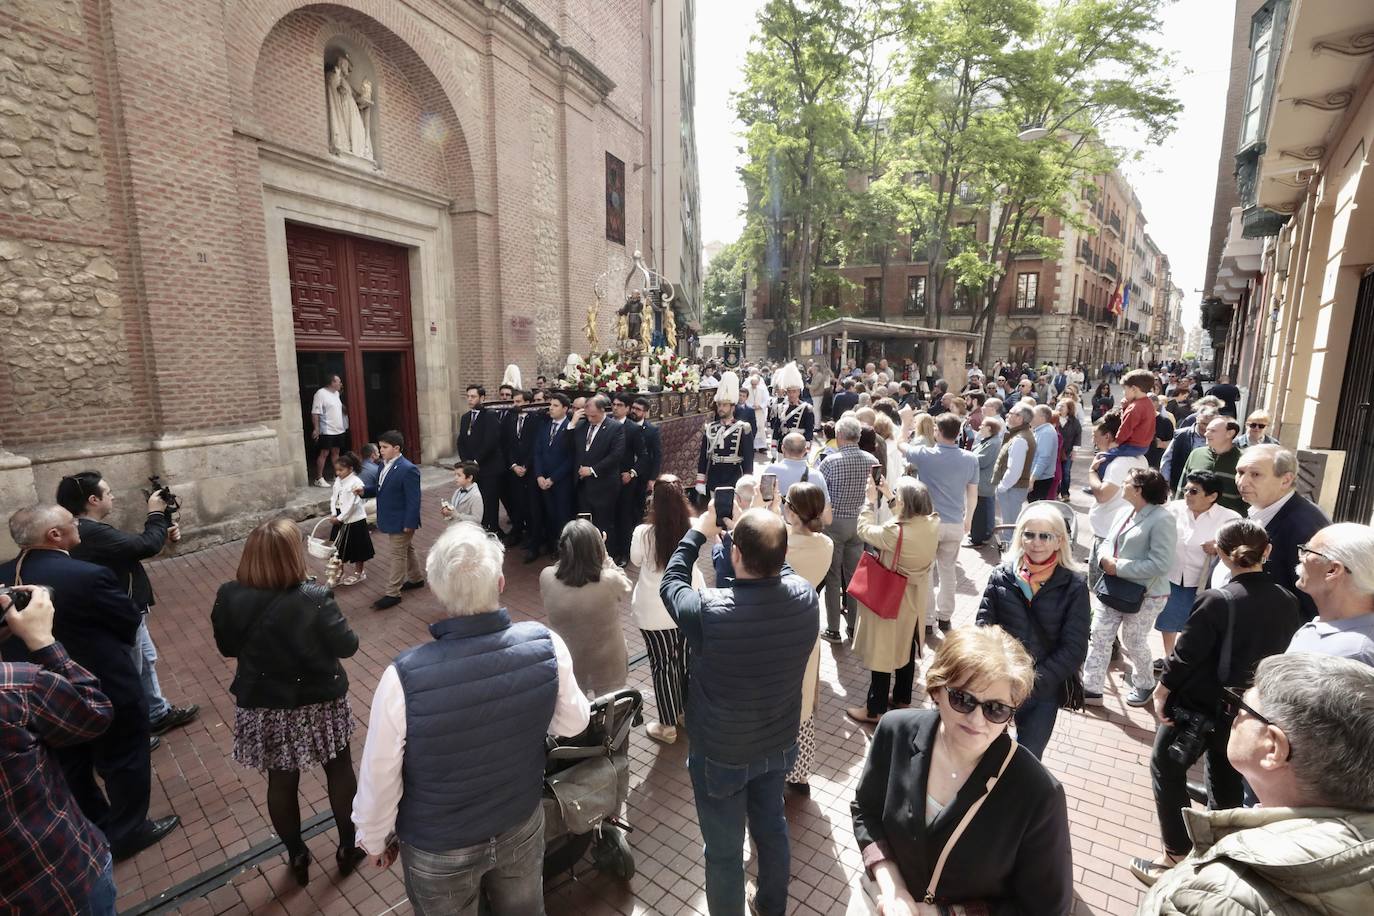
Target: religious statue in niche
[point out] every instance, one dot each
(632, 321)
(348, 111)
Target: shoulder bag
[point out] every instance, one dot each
(875, 586)
(1071, 691)
(930, 896)
(1121, 595)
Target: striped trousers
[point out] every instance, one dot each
(668, 668)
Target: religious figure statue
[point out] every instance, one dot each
(632, 318)
(348, 108)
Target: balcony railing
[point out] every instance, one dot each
(1114, 222)
(1028, 305)
(1097, 262)
(1110, 269)
(1085, 251)
(1083, 310)
(915, 305)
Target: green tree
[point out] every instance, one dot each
(722, 291)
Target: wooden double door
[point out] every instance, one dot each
(350, 306)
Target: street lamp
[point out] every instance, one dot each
(1032, 132)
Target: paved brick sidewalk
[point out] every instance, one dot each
(1101, 756)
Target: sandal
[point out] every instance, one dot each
(354, 579)
(860, 714)
(1147, 872)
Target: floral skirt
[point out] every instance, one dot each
(292, 739)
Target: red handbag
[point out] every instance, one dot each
(876, 587)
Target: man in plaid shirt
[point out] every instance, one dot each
(55, 860)
(846, 476)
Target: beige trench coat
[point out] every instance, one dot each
(883, 645)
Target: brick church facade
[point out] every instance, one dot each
(187, 249)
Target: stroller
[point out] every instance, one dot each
(586, 783)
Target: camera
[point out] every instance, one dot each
(168, 497)
(1191, 731)
(19, 598)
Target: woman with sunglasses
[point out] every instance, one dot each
(1198, 517)
(927, 769)
(1039, 596)
(887, 646)
(1266, 616)
(1102, 400)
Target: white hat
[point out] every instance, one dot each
(789, 376)
(512, 376)
(728, 390)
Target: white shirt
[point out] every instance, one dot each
(344, 504)
(1266, 515)
(1101, 515)
(709, 381)
(379, 774)
(646, 604)
(1016, 462)
(386, 468)
(1193, 532)
(329, 407)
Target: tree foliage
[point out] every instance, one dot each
(871, 125)
(722, 291)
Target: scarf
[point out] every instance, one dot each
(1030, 575)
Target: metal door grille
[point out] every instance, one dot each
(1354, 423)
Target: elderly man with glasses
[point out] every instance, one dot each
(1335, 572)
(1266, 476)
(1301, 738)
(1256, 432)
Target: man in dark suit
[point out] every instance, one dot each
(598, 446)
(629, 506)
(847, 399)
(653, 443)
(517, 450)
(398, 515)
(553, 477)
(88, 496)
(98, 624)
(479, 440)
(1265, 478)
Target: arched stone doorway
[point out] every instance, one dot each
(1021, 349)
(364, 255)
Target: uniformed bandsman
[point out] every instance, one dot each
(791, 413)
(727, 446)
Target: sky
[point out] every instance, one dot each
(1175, 182)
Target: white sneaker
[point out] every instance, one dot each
(664, 733)
(324, 484)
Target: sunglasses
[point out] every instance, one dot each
(1192, 491)
(1233, 702)
(1258, 425)
(1039, 535)
(963, 702)
(1303, 549)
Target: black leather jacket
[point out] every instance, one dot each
(124, 553)
(288, 644)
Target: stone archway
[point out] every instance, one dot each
(1022, 346)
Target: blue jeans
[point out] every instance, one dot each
(100, 901)
(145, 660)
(508, 870)
(728, 796)
(1119, 451)
(1035, 723)
(1009, 503)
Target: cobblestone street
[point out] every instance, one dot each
(1101, 756)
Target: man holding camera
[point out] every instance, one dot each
(87, 496)
(97, 623)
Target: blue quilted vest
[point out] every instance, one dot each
(744, 694)
(479, 700)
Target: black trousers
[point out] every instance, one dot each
(515, 494)
(902, 680)
(550, 510)
(122, 760)
(600, 500)
(629, 512)
(1040, 489)
(489, 485)
(1169, 779)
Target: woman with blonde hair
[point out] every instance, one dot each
(290, 690)
(920, 817)
(808, 553)
(906, 540)
(1040, 596)
(894, 463)
(924, 426)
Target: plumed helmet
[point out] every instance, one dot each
(789, 376)
(512, 376)
(728, 390)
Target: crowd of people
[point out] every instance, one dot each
(831, 505)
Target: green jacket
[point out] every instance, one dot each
(1224, 466)
(1252, 861)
